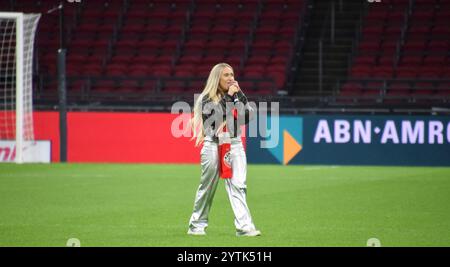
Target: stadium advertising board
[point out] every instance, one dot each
(307, 139)
(357, 140)
(39, 151)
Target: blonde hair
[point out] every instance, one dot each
(212, 91)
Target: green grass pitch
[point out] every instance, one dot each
(150, 205)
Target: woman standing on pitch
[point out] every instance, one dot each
(221, 101)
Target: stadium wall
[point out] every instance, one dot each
(307, 139)
(117, 137)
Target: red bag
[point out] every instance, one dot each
(225, 170)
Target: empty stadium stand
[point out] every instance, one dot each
(402, 55)
(137, 48)
(393, 53)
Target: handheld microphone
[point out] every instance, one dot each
(235, 97)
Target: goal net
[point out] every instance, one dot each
(17, 31)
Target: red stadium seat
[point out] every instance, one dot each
(423, 88)
(386, 60)
(438, 46)
(406, 72)
(145, 59)
(443, 89)
(351, 89)
(195, 43)
(220, 44)
(203, 70)
(382, 72)
(162, 70)
(279, 59)
(363, 71)
(76, 86)
(222, 30)
(150, 39)
(140, 68)
(116, 70)
(434, 60)
(213, 59)
(104, 86)
(163, 60)
(389, 46)
(279, 78)
(130, 85)
(183, 73)
(258, 60)
(411, 60)
(399, 89)
(396, 17)
(370, 46)
(373, 31)
(148, 85)
(174, 86)
(92, 70)
(195, 86)
(441, 31)
(190, 59)
(428, 72)
(414, 46)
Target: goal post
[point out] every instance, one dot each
(17, 34)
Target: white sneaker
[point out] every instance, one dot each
(249, 233)
(196, 232)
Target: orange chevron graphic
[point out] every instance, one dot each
(290, 147)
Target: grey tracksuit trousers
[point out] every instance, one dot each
(236, 186)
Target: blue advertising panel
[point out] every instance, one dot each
(354, 140)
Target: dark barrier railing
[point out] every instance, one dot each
(149, 100)
(432, 90)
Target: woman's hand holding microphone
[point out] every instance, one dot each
(233, 87)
